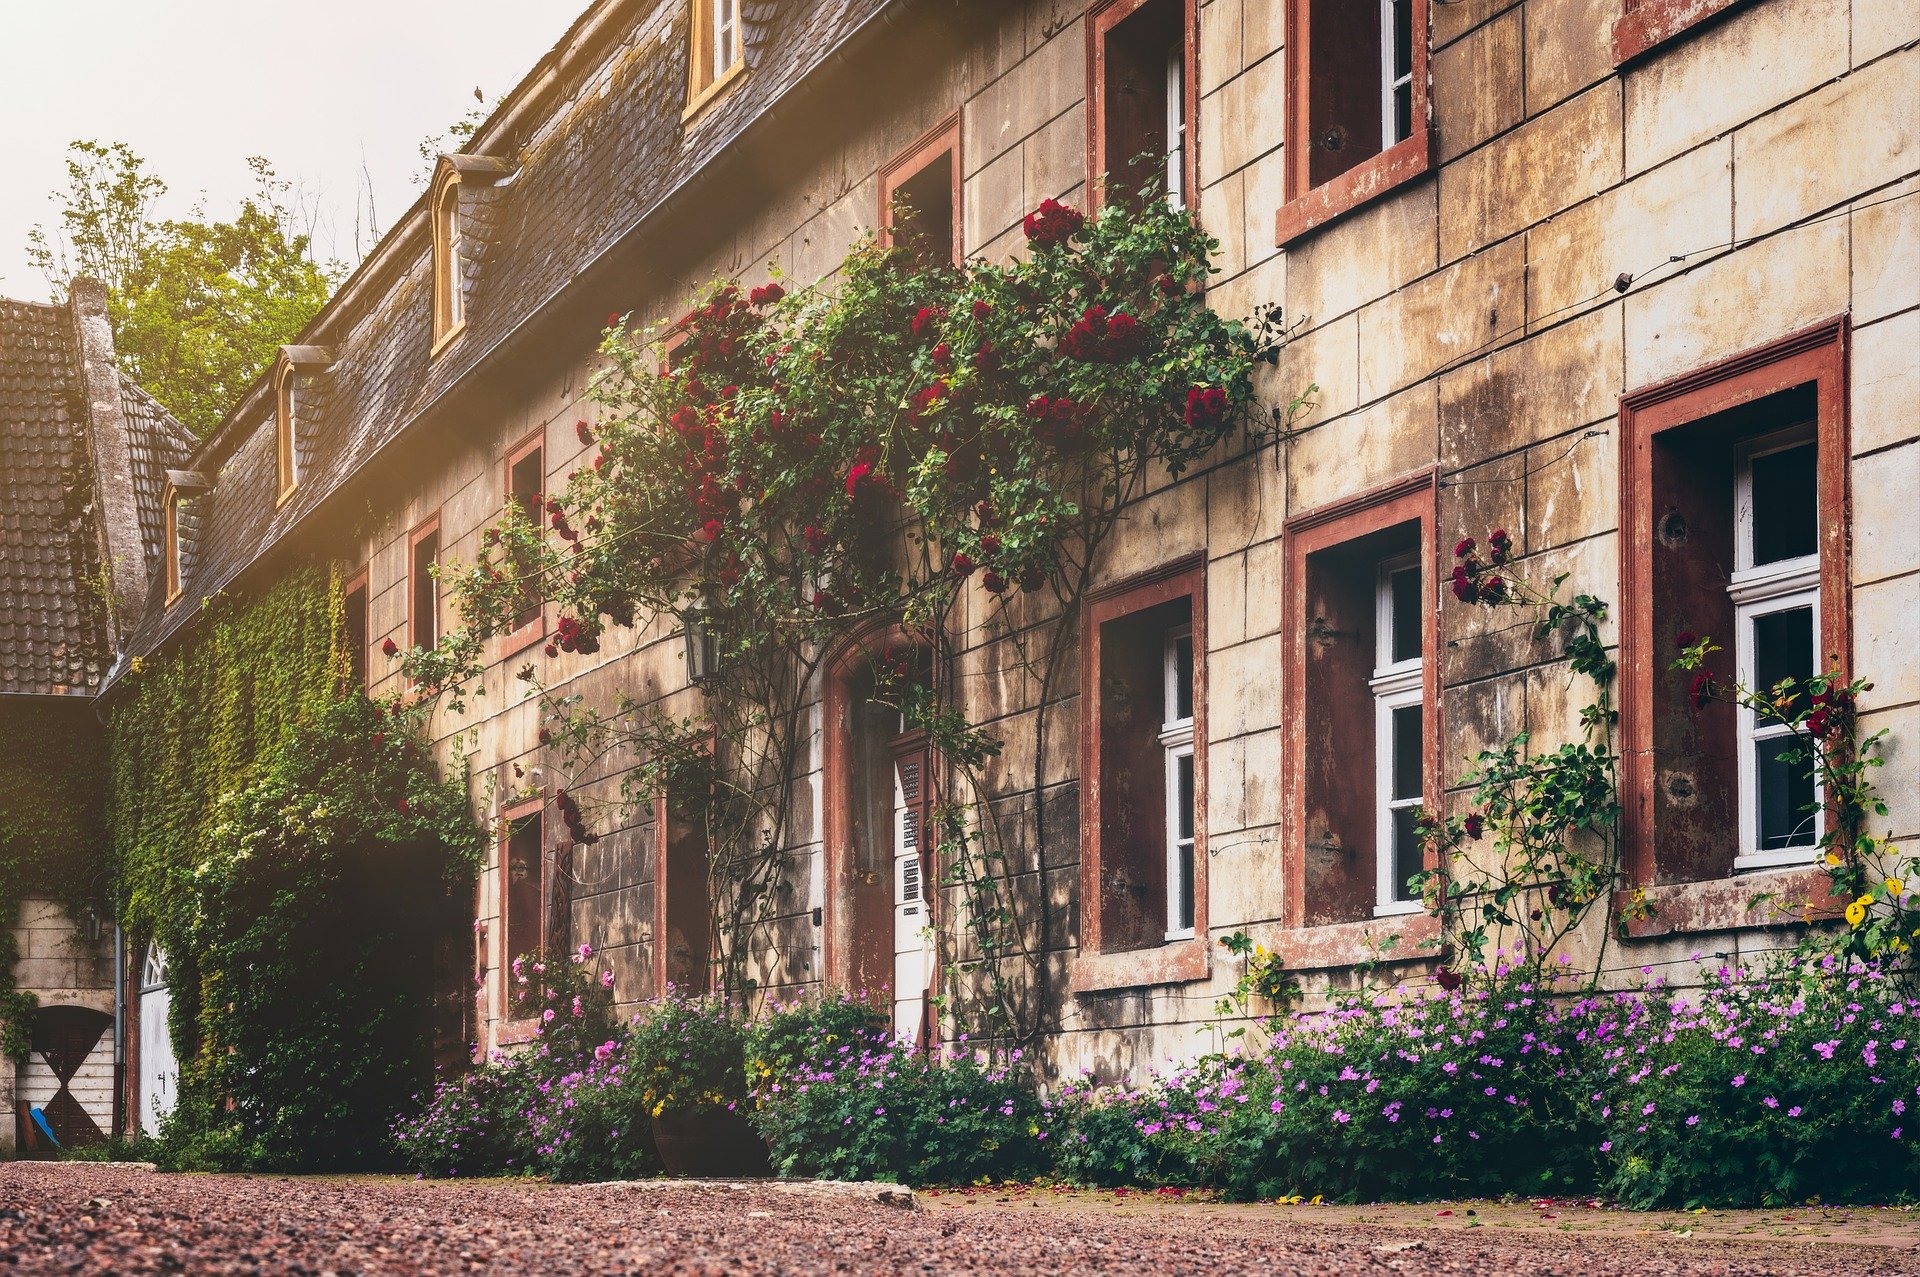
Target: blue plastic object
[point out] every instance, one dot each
(40, 1120)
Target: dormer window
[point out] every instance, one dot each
(450, 212)
(449, 298)
(286, 416)
(718, 52)
(296, 363)
(171, 543)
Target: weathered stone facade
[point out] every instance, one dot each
(1575, 231)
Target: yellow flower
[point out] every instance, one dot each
(1857, 912)
(1833, 858)
(1896, 888)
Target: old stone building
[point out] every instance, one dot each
(84, 455)
(1638, 282)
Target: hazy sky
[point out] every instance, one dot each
(195, 86)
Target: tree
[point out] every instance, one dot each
(198, 306)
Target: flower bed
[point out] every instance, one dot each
(1761, 1089)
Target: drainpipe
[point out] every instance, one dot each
(119, 1031)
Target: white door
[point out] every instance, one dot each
(909, 895)
(159, 1071)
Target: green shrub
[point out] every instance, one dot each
(688, 1054)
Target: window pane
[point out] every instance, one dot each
(1785, 792)
(1182, 678)
(1402, 39)
(1406, 850)
(1407, 752)
(1404, 598)
(1782, 646)
(1785, 505)
(1183, 890)
(1184, 767)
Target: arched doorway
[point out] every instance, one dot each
(159, 1071)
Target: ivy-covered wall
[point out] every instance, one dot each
(195, 723)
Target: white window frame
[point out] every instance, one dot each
(1176, 741)
(1177, 124)
(725, 18)
(1390, 84)
(1758, 591)
(1395, 685)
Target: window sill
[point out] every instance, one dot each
(1179, 962)
(698, 102)
(286, 495)
(1788, 897)
(446, 339)
(1646, 26)
(1355, 188)
(1353, 944)
(518, 641)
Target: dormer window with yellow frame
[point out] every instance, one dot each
(718, 53)
(170, 544)
(290, 372)
(449, 295)
(450, 215)
(182, 486)
(286, 427)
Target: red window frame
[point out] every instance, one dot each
(1310, 206)
(942, 139)
(1096, 967)
(531, 808)
(427, 527)
(1101, 20)
(358, 653)
(535, 629)
(1816, 356)
(1645, 25)
(857, 912)
(1413, 498)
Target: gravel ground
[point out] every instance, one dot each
(92, 1219)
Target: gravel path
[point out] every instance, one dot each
(91, 1219)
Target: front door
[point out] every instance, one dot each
(159, 1071)
(910, 973)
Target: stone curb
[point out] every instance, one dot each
(863, 1191)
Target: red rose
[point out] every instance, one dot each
(814, 538)
(767, 294)
(1818, 723)
(551, 650)
(390, 648)
(1501, 544)
(1701, 690)
(1464, 588)
(981, 309)
(580, 428)
(613, 321)
(1053, 224)
(403, 806)
(1493, 589)
(860, 471)
(962, 564)
(1687, 638)
(1464, 548)
(1473, 826)
(1447, 979)
(546, 736)
(990, 544)
(926, 317)
(1206, 406)
(995, 583)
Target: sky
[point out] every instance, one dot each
(338, 95)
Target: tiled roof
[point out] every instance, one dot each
(607, 152)
(53, 634)
(159, 443)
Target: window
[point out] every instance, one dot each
(1357, 105)
(1399, 734)
(879, 786)
(423, 590)
(171, 543)
(920, 197)
(1141, 110)
(1362, 690)
(683, 916)
(526, 490)
(1176, 738)
(449, 292)
(718, 51)
(354, 633)
(523, 883)
(1734, 495)
(287, 428)
(1143, 883)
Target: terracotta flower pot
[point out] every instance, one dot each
(709, 1144)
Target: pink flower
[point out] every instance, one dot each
(606, 979)
(546, 1016)
(584, 952)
